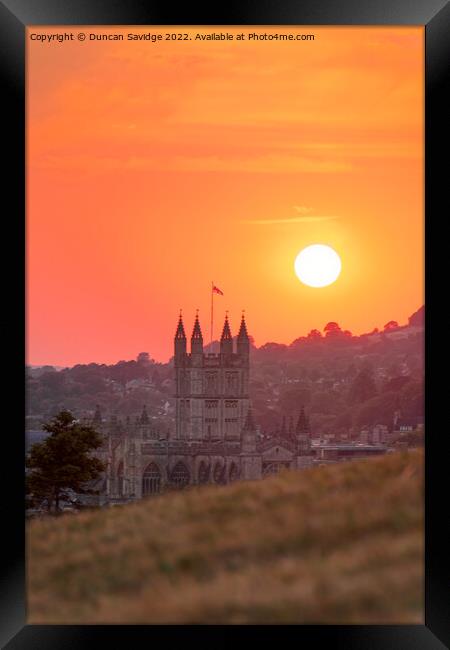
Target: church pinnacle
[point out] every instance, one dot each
(302, 423)
(197, 332)
(243, 341)
(226, 332)
(197, 340)
(180, 334)
(243, 329)
(249, 422)
(226, 340)
(144, 419)
(180, 342)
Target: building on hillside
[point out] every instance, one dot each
(328, 453)
(404, 424)
(376, 435)
(215, 436)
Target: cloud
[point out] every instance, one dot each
(302, 209)
(168, 160)
(271, 163)
(290, 220)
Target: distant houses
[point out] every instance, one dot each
(405, 424)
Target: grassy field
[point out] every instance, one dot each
(336, 544)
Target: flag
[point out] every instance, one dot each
(217, 290)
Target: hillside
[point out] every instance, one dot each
(335, 544)
(346, 383)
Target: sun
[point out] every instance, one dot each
(317, 265)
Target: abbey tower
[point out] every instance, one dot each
(211, 389)
(215, 438)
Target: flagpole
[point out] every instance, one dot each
(212, 298)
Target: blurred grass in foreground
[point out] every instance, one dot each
(335, 544)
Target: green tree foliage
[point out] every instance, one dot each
(412, 398)
(343, 422)
(325, 401)
(314, 335)
(418, 318)
(62, 461)
(391, 325)
(363, 386)
(291, 399)
(378, 410)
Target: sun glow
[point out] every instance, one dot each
(317, 265)
(270, 149)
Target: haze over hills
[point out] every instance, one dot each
(345, 382)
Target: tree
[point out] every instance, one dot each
(325, 402)
(363, 387)
(156, 377)
(378, 410)
(332, 327)
(418, 318)
(332, 330)
(143, 358)
(62, 461)
(343, 422)
(291, 398)
(391, 325)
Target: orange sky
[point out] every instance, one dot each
(154, 168)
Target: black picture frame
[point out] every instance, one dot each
(15, 16)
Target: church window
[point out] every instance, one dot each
(211, 383)
(269, 468)
(234, 473)
(219, 473)
(180, 476)
(203, 473)
(151, 480)
(120, 480)
(274, 467)
(231, 383)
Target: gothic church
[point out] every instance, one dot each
(215, 439)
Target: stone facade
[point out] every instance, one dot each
(215, 439)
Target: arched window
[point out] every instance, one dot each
(151, 480)
(203, 473)
(269, 468)
(219, 473)
(234, 473)
(180, 476)
(273, 468)
(211, 383)
(120, 480)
